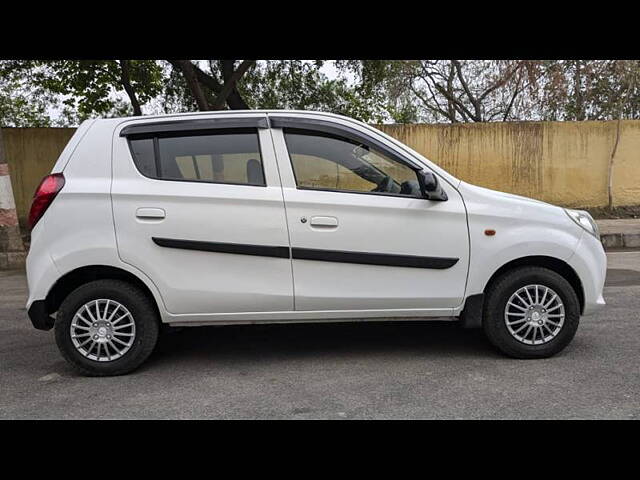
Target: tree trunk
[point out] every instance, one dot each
(577, 81)
(189, 73)
(229, 93)
(125, 79)
(610, 172)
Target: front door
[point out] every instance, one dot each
(362, 236)
(199, 210)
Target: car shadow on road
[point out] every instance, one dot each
(622, 277)
(298, 341)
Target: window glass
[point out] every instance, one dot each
(142, 151)
(328, 162)
(218, 158)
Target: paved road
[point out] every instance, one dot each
(336, 371)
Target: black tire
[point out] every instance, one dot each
(497, 296)
(144, 316)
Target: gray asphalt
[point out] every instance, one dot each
(406, 370)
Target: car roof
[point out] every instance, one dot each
(230, 112)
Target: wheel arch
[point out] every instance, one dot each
(471, 315)
(555, 264)
(82, 275)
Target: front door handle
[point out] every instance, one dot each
(325, 222)
(150, 213)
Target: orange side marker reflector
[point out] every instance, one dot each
(489, 232)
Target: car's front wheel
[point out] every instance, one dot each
(106, 327)
(531, 312)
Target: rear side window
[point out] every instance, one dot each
(214, 157)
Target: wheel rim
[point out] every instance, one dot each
(534, 314)
(103, 330)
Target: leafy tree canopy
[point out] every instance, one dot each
(64, 92)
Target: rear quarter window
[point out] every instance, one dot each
(218, 157)
(143, 155)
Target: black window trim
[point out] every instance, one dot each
(182, 126)
(191, 133)
(360, 140)
(324, 126)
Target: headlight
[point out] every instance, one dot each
(585, 220)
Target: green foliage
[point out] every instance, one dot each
(65, 92)
(20, 111)
(86, 88)
(21, 106)
(299, 85)
(591, 90)
(386, 83)
(175, 97)
(88, 84)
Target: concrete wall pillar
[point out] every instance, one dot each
(12, 254)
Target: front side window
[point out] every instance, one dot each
(327, 162)
(218, 157)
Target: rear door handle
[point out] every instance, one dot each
(150, 213)
(326, 222)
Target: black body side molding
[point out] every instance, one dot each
(363, 258)
(238, 248)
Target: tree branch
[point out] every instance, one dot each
(189, 72)
(428, 106)
(207, 80)
(474, 101)
(516, 91)
(500, 82)
(125, 79)
(229, 93)
(456, 102)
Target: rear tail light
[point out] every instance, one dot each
(45, 193)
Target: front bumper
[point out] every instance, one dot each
(590, 263)
(39, 316)
(590, 308)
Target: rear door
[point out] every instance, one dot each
(198, 208)
(362, 236)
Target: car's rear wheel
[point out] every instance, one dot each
(106, 327)
(531, 312)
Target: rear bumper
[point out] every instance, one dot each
(39, 316)
(42, 274)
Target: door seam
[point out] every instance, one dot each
(286, 216)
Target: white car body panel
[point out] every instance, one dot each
(196, 282)
(80, 229)
(524, 227)
(378, 224)
(93, 221)
(590, 263)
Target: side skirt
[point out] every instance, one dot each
(311, 316)
(325, 320)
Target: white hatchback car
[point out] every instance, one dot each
(287, 216)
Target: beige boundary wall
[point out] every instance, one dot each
(560, 162)
(31, 154)
(564, 163)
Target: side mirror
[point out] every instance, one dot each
(430, 187)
